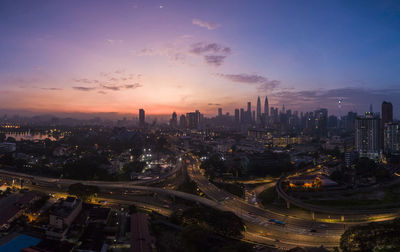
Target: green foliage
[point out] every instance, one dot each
(195, 238)
(213, 166)
(2, 137)
(188, 186)
(87, 168)
(235, 189)
(372, 237)
(269, 163)
(365, 166)
(38, 204)
(224, 223)
(133, 209)
(83, 192)
(267, 196)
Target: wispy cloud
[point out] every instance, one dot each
(213, 54)
(112, 81)
(264, 84)
(205, 24)
(214, 104)
(114, 41)
(86, 89)
(52, 89)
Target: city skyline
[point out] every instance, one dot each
(179, 56)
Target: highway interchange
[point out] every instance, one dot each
(297, 231)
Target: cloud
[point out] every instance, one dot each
(52, 89)
(114, 41)
(133, 86)
(114, 88)
(264, 84)
(206, 48)
(215, 60)
(204, 24)
(113, 81)
(213, 54)
(84, 88)
(214, 104)
(86, 81)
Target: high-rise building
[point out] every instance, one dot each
(258, 118)
(237, 116)
(193, 119)
(174, 120)
(321, 121)
(387, 117)
(219, 112)
(266, 110)
(249, 107)
(142, 118)
(242, 116)
(182, 122)
(367, 135)
(392, 138)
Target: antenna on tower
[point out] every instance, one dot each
(340, 101)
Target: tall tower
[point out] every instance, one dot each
(387, 117)
(237, 116)
(266, 110)
(367, 134)
(142, 119)
(258, 119)
(266, 107)
(174, 120)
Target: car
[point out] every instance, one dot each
(313, 230)
(323, 225)
(277, 240)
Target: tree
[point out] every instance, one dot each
(83, 192)
(2, 137)
(372, 237)
(133, 209)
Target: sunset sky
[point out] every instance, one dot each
(164, 56)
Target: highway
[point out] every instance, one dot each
(296, 231)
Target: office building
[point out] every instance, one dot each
(387, 117)
(237, 116)
(142, 118)
(367, 135)
(258, 112)
(174, 120)
(392, 138)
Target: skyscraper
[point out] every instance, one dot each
(219, 112)
(367, 135)
(392, 138)
(174, 120)
(142, 119)
(237, 116)
(242, 115)
(182, 121)
(266, 110)
(387, 117)
(248, 113)
(321, 121)
(258, 118)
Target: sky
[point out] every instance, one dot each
(96, 56)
